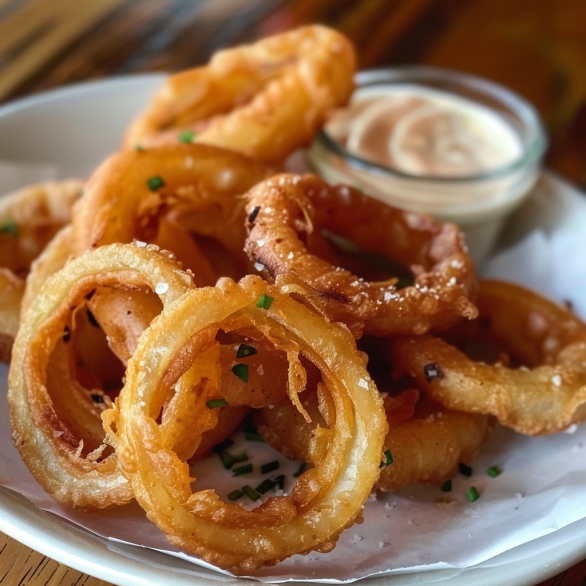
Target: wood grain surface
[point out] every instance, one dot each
(536, 47)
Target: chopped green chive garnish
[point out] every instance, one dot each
(9, 228)
(235, 495)
(219, 448)
(265, 301)
(387, 461)
(228, 460)
(493, 471)
(301, 470)
(250, 492)
(241, 371)
(215, 403)
(265, 486)
(270, 467)
(245, 350)
(155, 183)
(254, 436)
(280, 481)
(97, 398)
(472, 494)
(242, 470)
(186, 136)
(464, 469)
(447, 486)
(139, 148)
(80, 193)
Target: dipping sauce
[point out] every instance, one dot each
(428, 140)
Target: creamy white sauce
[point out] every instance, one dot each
(426, 132)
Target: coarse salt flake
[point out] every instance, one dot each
(556, 379)
(260, 370)
(362, 383)
(161, 288)
(140, 243)
(259, 266)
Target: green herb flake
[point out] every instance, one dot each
(228, 460)
(242, 470)
(447, 486)
(280, 481)
(301, 470)
(250, 492)
(138, 148)
(222, 446)
(387, 461)
(187, 136)
(254, 436)
(235, 495)
(215, 403)
(10, 228)
(241, 371)
(265, 301)
(493, 471)
(270, 467)
(472, 494)
(97, 398)
(155, 183)
(244, 350)
(464, 469)
(265, 486)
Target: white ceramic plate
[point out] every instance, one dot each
(64, 132)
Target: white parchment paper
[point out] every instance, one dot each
(540, 490)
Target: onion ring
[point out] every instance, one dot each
(29, 218)
(11, 292)
(128, 198)
(287, 209)
(325, 499)
(264, 100)
(545, 398)
(426, 441)
(35, 214)
(46, 445)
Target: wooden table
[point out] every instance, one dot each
(536, 47)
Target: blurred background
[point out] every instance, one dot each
(536, 47)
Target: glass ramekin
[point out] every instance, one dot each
(480, 203)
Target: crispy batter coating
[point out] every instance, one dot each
(264, 100)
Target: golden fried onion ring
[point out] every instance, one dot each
(129, 187)
(427, 441)
(11, 292)
(325, 499)
(287, 209)
(37, 214)
(29, 218)
(43, 440)
(545, 398)
(128, 197)
(264, 100)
